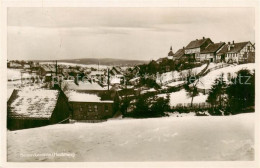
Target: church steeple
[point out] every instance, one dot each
(170, 53)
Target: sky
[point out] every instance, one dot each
(123, 33)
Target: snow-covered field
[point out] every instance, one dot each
(15, 74)
(180, 97)
(207, 81)
(81, 65)
(211, 138)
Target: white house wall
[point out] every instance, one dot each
(191, 51)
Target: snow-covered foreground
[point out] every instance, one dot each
(208, 138)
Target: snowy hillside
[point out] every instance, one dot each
(207, 81)
(182, 98)
(212, 138)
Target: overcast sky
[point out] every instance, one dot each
(125, 33)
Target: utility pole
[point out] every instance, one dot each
(21, 78)
(98, 65)
(108, 79)
(56, 68)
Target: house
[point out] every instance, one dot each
(170, 54)
(241, 52)
(86, 87)
(46, 70)
(116, 76)
(193, 49)
(26, 66)
(35, 108)
(179, 54)
(134, 81)
(135, 70)
(210, 52)
(12, 64)
(91, 106)
(116, 72)
(96, 75)
(160, 60)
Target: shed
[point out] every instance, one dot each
(35, 108)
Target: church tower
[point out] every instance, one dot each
(170, 54)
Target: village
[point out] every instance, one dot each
(45, 93)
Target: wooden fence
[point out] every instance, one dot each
(182, 79)
(216, 67)
(195, 106)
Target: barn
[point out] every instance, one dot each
(34, 108)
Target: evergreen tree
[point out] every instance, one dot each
(160, 105)
(216, 95)
(191, 86)
(241, 91)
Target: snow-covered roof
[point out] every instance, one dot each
(134, 79)
(85, 97)
(84, 86)
(94, 73)
(33, 103)
(115, 80)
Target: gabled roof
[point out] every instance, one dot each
(196, 43)
(179, 53)
(85, 97)
(236, 47)
(38, 103)
(83, 86)
(116, 71)
(94, 73)
(212, 48)
(161, 59)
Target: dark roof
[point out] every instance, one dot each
(161, 59)
(116, 71)
(196, 43)
(179, 53)
(212, 48)
(236, 47)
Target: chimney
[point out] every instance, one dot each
(203, 38)
(233, 42)
(196, 39)
(228, 43)
(183, 47)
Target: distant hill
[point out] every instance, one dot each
(102, 61)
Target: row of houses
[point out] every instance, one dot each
(205, 49)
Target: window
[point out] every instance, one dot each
(248, 48)
(95, 108)
(80, 108)
(89, 108)
(106, 108)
